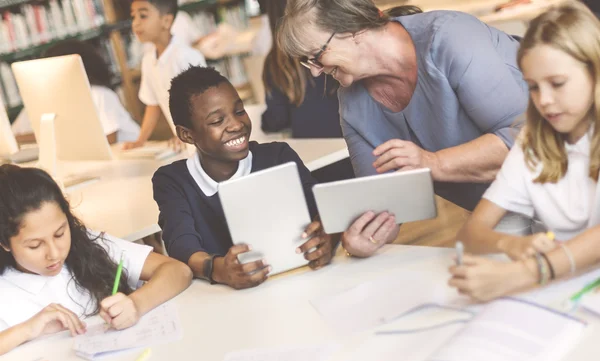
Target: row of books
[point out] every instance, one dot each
(8, 87)
(232, 68)
(234, 16)
(32, 24)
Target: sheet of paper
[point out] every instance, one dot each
(304, 353)
(591, 302)
(379, 301)
(158, 326)
(513, 330)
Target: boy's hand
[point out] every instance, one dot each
(318, 249)
(133, 145)
(229, 271)
(53, 318)
(119, 311)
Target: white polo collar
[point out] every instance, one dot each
(165, 54)
(209, 186)
(28, 282)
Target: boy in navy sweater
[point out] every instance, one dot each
(209, 114)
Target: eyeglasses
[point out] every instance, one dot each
(314, 61)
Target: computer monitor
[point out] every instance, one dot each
(59, 85)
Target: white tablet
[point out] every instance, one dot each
(267, 210)
(408, 195)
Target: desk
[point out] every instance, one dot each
(121, 202)
(217, 319)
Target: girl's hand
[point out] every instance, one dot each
(54, 318)
(521, 248)
(119, 311)
(484, 279)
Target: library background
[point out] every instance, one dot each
(29, 27)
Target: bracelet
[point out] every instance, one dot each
(208, 268)
(542, 269)
(569, 256)
(552, 274)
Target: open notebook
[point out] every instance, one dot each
(158, 326)
(507, 329)
(515, 330)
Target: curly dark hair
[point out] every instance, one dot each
(193, 81)
(23, 190)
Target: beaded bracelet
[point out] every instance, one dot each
(542, 269)
(552, 274)
(570, 257)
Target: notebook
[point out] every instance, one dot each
(511, 329)
(507, 329)
(160, 325)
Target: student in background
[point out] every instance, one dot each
(152, 22)
(309, 106)
(552, 172)
(54, 271)
(116, 121)
(209, 114)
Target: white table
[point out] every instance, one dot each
(121, 201)
(217, 319)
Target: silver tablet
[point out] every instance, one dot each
(408, 195)
(267, 210)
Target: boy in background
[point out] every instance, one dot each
(166, 58)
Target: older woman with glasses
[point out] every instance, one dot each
(440, 90)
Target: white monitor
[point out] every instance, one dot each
(60, 86)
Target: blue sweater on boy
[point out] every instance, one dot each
(193, 222)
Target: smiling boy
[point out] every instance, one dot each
(209, 114)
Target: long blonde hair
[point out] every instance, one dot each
(575, 30)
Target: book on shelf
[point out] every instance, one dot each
(32, 24)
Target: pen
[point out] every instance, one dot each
(118, 276)
(459, 252)
(145, 355)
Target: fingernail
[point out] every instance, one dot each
(304, 235)
(298, 250)
(270, 269)
(249, 248)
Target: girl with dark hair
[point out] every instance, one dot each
(116, 121)
(54, 271)
(294, 100)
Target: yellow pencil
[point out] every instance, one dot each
(145, 355)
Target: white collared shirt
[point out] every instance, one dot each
(157, 73)
(565, 207)
(209, 186)
(24, 294)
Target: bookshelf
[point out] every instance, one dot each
(107, 26)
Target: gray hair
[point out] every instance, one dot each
(339, 16)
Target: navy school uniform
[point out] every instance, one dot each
(193, 222)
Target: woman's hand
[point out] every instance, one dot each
(368, 233)
(521, 248)
(484, 279)
(318, 249)
(399, 154)
(119, 311)
(54, 318)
